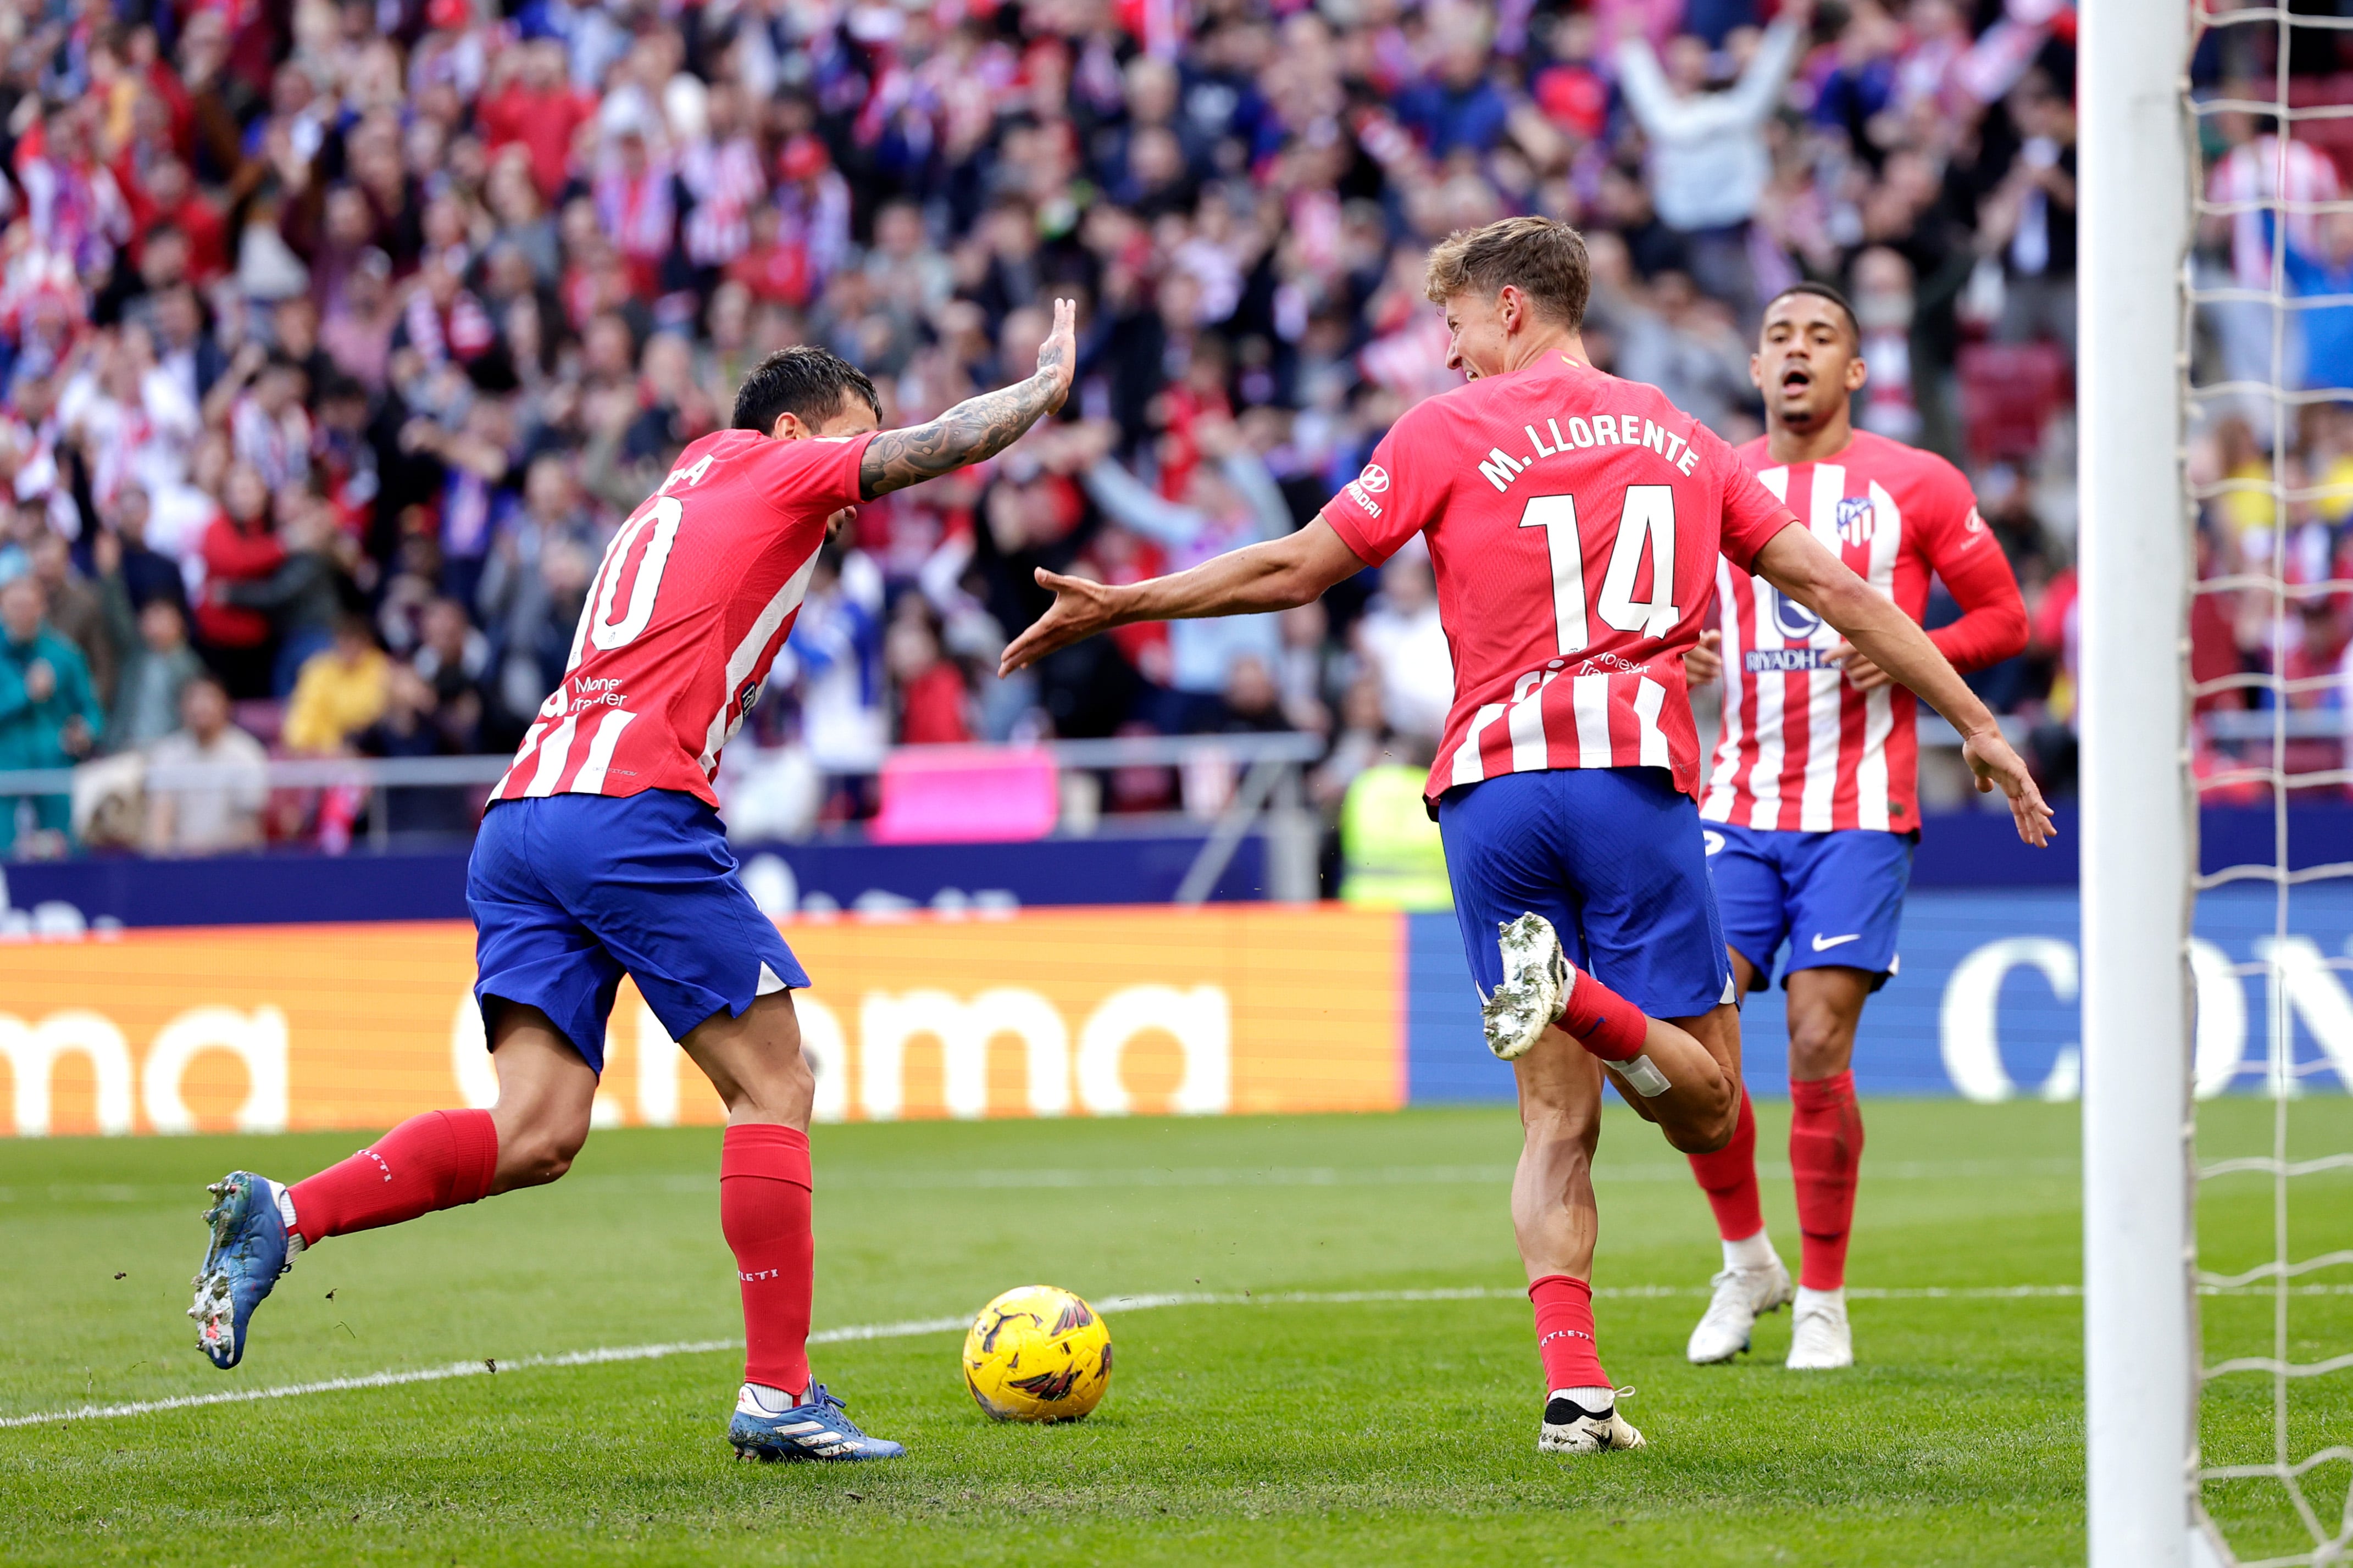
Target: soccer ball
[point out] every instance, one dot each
(1037, 1354)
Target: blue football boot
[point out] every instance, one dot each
(816, 1428)
(242, 1264)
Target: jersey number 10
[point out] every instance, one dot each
(1649, 516)
(657, 526)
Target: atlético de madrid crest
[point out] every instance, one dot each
(1856, 520)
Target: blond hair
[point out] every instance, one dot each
(1543, 259)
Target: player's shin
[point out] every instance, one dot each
(1825, 1154)
(1565, 1341)
(764, 1211)
(437, 1161)
(1728, 1177)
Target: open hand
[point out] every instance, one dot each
(1058, 356)
(1861, 673)
(1998, 766)
(1705, 662)
(1079, 610)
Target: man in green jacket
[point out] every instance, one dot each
(49, 716)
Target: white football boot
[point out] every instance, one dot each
(1536, 980)
(1570, 1429)
(1742, 1296)
(1820, 1341)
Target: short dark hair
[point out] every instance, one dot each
(1544, 259)
(1823, 291)
(809, 382)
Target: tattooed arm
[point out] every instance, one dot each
(978, 428)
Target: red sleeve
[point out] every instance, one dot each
(1965, 553)
(1400, 492)
(1752, 514)
(228, 553)
(497, 118)
(817, 475)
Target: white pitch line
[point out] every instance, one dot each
(909, 1328)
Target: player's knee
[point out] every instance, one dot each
(1710, 1116)
(1819, 1045)
(540, 1154)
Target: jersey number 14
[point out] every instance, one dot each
(1647, 518)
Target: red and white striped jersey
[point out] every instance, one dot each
(1574, 522)
(695, 595)
(1801, 750)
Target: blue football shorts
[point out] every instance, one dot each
(571, 891)
(1613, 857)
(1836, 898)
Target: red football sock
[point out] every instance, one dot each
(764, 1211)
(1825, 1152)
(1564, 1333)
(436, 1160)
(1728, 1177)
(1602, 1021)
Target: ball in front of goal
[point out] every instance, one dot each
(1037, 1354)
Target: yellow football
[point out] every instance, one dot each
(1037, 1354)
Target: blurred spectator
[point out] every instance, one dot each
(159, 667)
(1406, 649)
(933, 697)
(533, 586)
(1388, 845)
(340, 692)
(412, 724)
(453, 657)
(1707, 160)
(124, 561)
(1231, 500)
(2032, 216)
(837, 649)
(2327, 329)
(74, 611)
(240, 547)
(302, 597)
(220, 809)
(49, 715)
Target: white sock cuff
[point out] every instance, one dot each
(294, 1242)
(1595, 1400)
(1750, 1252)
(772, 1400)
(1821, 1300)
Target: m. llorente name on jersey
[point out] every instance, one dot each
(1500, 468)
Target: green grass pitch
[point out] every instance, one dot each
(1269, 1430)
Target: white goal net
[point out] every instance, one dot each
(2265, 403)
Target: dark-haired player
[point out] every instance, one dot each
(1812, 807)
(1574, 521)
(602, 853)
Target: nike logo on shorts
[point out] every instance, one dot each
(1824, 943)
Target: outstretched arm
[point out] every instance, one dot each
(1274, 576)
(978, 428)
(1795, 562)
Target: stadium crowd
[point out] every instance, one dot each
(337, 337)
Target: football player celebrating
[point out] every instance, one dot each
(1811, 806)
(602, 853)
(1574, 522)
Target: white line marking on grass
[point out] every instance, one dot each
(909, 1328)
(1047, 1178)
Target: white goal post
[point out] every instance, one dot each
(2140, 1353)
